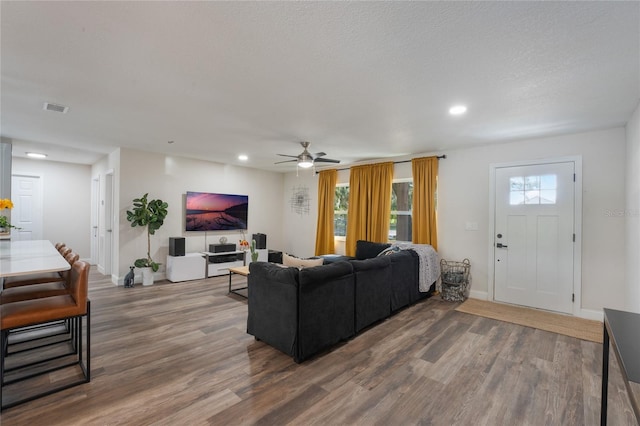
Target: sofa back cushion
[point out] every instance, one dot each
(272, 272)
(368, 249)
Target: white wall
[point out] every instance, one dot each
(632, 212)
(464, 192)
(463, 196)
(169, 178)
(66, 190)
(299, 225)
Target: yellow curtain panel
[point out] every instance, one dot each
(369, 204)
(425, 183)
(326, 194)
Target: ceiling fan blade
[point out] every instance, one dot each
(319, 154)
(326, 160)
(285, 161)
(285, 155)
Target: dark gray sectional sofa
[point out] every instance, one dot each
(303, 312)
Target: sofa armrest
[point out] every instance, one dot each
(405, 269)
(273, 305)
(326, 307)
(372, 290)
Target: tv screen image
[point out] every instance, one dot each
(216, 212)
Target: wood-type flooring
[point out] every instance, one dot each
(178, 354)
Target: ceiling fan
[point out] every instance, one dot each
(306, 159)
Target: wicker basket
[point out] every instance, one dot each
(455, 280)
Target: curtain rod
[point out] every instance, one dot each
(439, 157)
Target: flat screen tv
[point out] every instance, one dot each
(216, 212)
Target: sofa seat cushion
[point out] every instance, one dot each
(330, 258)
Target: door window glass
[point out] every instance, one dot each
(536, 190)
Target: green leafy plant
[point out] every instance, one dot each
(6, 203)
(151, 215)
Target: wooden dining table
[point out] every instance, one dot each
(19, 258)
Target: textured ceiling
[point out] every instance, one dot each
(360, 80)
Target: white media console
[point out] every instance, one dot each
(212, 263)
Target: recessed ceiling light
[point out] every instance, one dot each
(36, 155)
(243, 157)
(457, 110)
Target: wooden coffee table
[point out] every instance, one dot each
(240, 270)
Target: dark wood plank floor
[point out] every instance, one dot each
(178, 353)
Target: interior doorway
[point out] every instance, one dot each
(108, 223)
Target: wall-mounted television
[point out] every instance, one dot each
(206, 211)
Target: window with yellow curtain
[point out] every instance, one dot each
(324, 231)
(425, 181)
(369, 204)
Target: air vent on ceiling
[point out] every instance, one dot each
(55, 107)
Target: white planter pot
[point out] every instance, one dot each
(147, 276)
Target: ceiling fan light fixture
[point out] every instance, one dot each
(305, 164)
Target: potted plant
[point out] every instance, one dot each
(254, 252)
(149, 214)
(5, 225)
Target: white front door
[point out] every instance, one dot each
(534, 235)
(26, 194)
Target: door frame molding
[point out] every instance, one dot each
(577, 224)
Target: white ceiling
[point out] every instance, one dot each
(360, 80)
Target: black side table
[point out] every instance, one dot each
(622, 330)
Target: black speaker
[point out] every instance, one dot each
(176, 246)
(261, 241)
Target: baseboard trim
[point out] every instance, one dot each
(157, 276)
(591, 314)
(482, 295)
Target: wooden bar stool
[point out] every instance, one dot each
(72, 306)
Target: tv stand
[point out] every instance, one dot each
(221, 257)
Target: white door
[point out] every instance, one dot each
(26, 194)
(108, 223)
(534, 235)
(95, 219)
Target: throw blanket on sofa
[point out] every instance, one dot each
(429, 264)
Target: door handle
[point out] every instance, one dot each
(500, 245)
